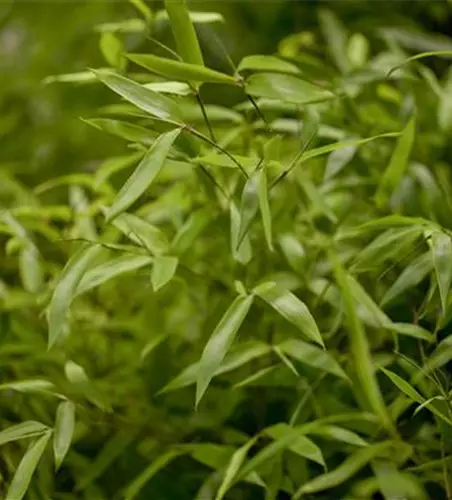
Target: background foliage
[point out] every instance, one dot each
(241, 291)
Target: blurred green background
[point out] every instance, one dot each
(41, 134)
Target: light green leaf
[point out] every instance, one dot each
(411, 331)
(291, 308)
(32, 385)
(411, 276)
(336, 37)
(413, 394)
(30, 268)
(143, 9)
(24, 430)
(339, 434)
(125, 130)
(249, 204)
(422, 55)
(177, 88)
(241, 253)
(64, 429)
(345, 471)
(398, 163)
(155, 104)
(312, 356)
(163, 269)
(196, 17)
(439, 357)
(140, 481)
(359, 346)
(190, 230)
(266, 63)
(220, 342)
(181, 71)
(111, 269)
(26, 468)
(79, 379)
(233, 468)
(441, 250)
(65, 291)
(285, 88)
(184, 32)
(142, 233)
(112, 49)
(338, 160)
(144, 174)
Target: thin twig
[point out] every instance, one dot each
(257, 108)
(204, 114)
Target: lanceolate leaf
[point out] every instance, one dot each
(267, 63)
(183, 71)
(184, 32)
(64, 429)
(144, 174)
(66, 289)
(220, 342)
(409, 278)
(285, 88)
(163, 270)
(23, 430)
(241, 251)
(26, 468)
(249, 204)
(291, 308)
(441, 248)
(155, 104)
(345, 471)
(398, 163)
(359, 346)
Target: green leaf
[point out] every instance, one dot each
(241, 253)
(111, 269)
(338, 160)
(32, 385)
(125, 130)
(184, 32)
(299, 444)
(144, 174)
(163, 270)
(24, 430)
(285, 88)
(397, 165)
(249, 205)
(359, 346)
(439, 357)
(112, 49)
(155, 104)
(349, 467)
(30, 268)
(266, 63)
(182, 71)
(312, 356)
(64, 429)
(233, 468)
(441, 250)
(190, 230)
(79, 379)
(196, 17)
(65, 291)
(390, 245)
(144, 10)
(220, 342)
(177, 88)
(412, 393)
(291, 308)
(339, 434)
(336, 38)
(411, 331)
(26, 468)
(140, 481)
(142, 233)
(422, 55)
(411, 276)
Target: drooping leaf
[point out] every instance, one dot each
(64, 429)
(312, 356)
(411, 276)
(359, 346)
(220, 342)
(24, 430)
(241, 252)
(291, 308)
(155, 104)
(163, 270)
(266, 63)
(182, 71)
(398, 163)
(111, 269)
(249, 204)
(144, 174)
(65, 291)
(441, 249)
(285, 88)
(349, 467)
(26, 468)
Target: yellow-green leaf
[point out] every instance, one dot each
(267, 63)
(64, 429)
(163, 269)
